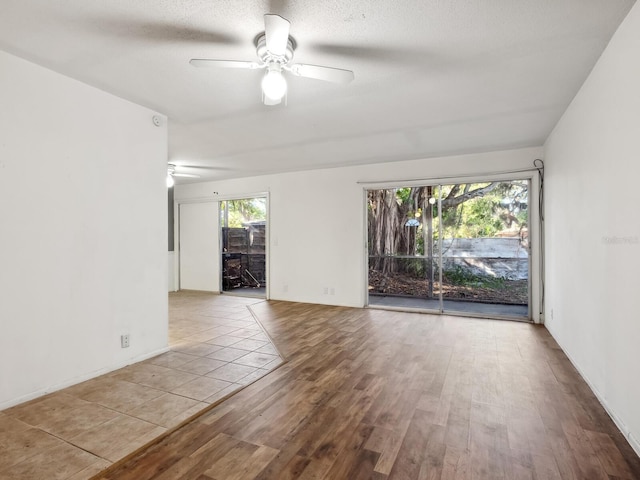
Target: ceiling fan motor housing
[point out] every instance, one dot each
(267, 57)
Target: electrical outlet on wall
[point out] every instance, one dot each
(124, 341)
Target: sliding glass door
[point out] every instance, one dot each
(456, 248)
(403, 271)
(484, 248)
(243, 243)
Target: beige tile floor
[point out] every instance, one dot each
(217, 347)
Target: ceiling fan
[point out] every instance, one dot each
(275, 52)
(171, 172)
(176, 170)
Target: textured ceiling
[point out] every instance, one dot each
(432, 77)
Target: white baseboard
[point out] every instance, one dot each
(631, 438)
(73, 381)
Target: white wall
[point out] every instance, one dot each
(83, 240)
(316, 219)
(593, 229)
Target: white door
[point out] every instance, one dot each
(199, 247)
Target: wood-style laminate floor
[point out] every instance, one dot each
(372, 394)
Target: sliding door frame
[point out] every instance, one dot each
(267, 249)
(535, 282)
(217, 199)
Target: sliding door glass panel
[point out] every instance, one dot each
(482, 239)
(243, 224)
(402, 270)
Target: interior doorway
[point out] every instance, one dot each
(243, 232)
(454, 248)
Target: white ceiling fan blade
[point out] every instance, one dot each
(185, 175)
(276, 30)
(210, 63)
(202, 167)
(328, 74)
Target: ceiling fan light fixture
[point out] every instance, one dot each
(274, 85)
(274, 49)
